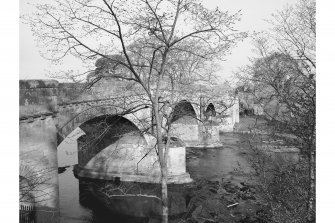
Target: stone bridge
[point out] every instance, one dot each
(50, 111)
(72, 115)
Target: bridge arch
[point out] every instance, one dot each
(184, 112)
(103, 131)
(210, 110)
(72, 117)
(184, 123)
(113, 146)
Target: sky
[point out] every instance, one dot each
(33, 66)
(254, 12)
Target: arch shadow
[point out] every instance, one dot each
(103, 131)
(77, 117)
(210, 110)
(184, 123)
(184, 113)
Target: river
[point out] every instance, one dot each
(212, 164)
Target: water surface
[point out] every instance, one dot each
(212, 164)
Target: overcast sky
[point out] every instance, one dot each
(33, 66)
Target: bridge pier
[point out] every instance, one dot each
(38, 148)
(199, 125)
(131, 161)
(39, 167)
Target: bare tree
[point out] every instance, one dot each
(34, 184)
(283, 79)
(36, 190)
(147, 34)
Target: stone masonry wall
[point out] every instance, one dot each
(38, 97)
(38, 163)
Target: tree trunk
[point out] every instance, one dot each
(165, 207)
(160, 146)
(275, 115)
(163, 164)
(165, 200)
(311, 193)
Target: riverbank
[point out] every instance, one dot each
(224, 188)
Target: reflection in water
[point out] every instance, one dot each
(217, 163)
(78, 205)
(70, 208)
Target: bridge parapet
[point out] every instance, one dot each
(38, 165)
(38, 97)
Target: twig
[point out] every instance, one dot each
(232, 205)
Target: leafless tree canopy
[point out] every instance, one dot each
(282, 78)
(153, 43)
(138, 32)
